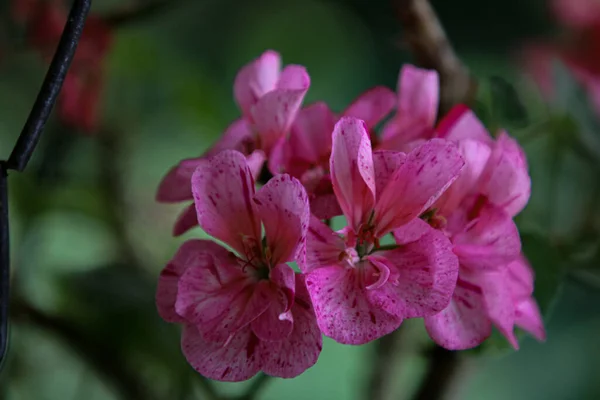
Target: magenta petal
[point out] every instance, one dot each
(528, 318)
(342, 308)
(323, 246)
(256, 79)
(255, 161)
(237, 361)
(476, 155)
(310, 137)
(294, 77)
(223, 190)
(283, 276)
(386, 163)
(352, 172)
(186, 220)
(506, 181)
(300, 350)
(176, 185)
(325, 206)
(520, 278)
(411, 232)
(238, 136)
(284, 210)
(400, 132)
(192, 253)
(372, 106)
(419, 93)
(423, 176)
(274, 114)
(423, 277)
(461, 123)
(499, 303)
(489, 242)
(464, 323)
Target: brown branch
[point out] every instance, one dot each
(442, 369)
(101, 356)
(431, 48)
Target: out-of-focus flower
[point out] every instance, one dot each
(243, 311)
(476, 214)
(305, 153)
(80, 98)
(361, 290)
(269, 99)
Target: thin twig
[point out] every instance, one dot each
(442, 369)
(99, 355)
(30, 135)
(431, 48)
(5, 262)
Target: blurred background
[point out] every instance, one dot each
(152, 84)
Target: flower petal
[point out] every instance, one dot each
(238, 136)
(223, 190)
(464, 323)
(418, 93)
(461, 123)
(476, 154)
(506, 181)
(256, 79)
(323, 246)
(310, 137)
(192, 253)
(294, 77)
(186, 220)
(274, 114)
(235, 362)
(372, 106)
(491, 241)
(176, 186)
(221, 307)
(342, 308)
(423, 276)
(325, 206)
(528, 318)
(290, 357)
(499, 303)
(352, 172)
(277, 322)
(417, 183)
(283, 207)
(402, 131)
(386, 163)
(520, 277)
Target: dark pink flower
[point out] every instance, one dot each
(243, 310)
(269, 99)
(418, 101)
(476, 214)
(305, 153)
(360, 290)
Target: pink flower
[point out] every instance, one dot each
(418, 100)
(243, 311)
(80, 98)
(476, 214)
(360, 290)
(269, 99)
(305, 153)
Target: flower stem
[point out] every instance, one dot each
(440, 376)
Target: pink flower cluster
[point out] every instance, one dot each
(444, 197)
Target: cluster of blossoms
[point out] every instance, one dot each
(79, 101)
(443, 196)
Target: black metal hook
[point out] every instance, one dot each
(29, 138)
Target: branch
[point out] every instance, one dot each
(30, 135)
(443, 367)
(4, 262)
(99, 355)
(431, 48)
